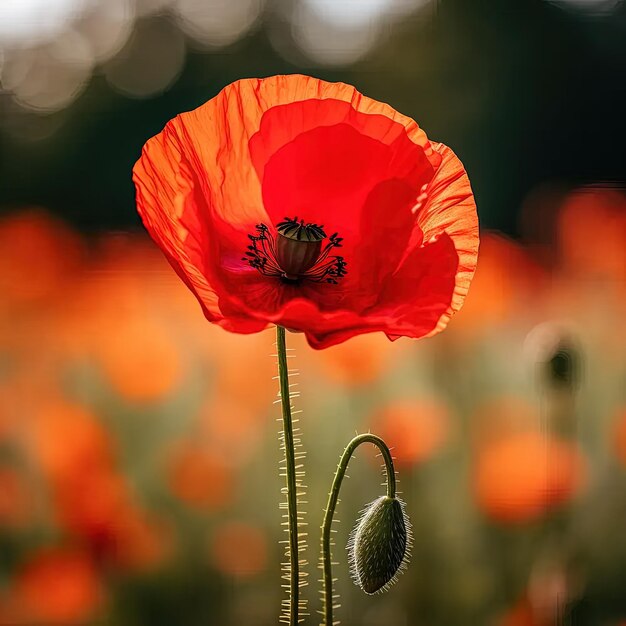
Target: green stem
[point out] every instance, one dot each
(333, 497)
(291, 481)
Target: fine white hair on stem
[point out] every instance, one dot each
(286, 615)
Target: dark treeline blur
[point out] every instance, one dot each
(527, 93)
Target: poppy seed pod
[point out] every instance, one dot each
(379, 546)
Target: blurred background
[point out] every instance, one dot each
(138, 443)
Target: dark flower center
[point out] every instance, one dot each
(296, 253)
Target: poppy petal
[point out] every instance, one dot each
(165, 181)
(450, 208)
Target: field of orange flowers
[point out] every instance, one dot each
(139, 452)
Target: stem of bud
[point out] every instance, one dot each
(327, 578)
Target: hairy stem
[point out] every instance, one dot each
(327, 577)
(291, 479)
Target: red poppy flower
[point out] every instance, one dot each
(293, 201)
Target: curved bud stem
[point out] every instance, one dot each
(327, 579)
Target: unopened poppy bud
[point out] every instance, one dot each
(378, 548)
(556, 353)
(298, 246)
(562, 366)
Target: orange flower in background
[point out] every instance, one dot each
(141, 541)
(199, 477)
(39, 253)
(231, 430)
(520, 477)
(9, 411)
(67, 439)
(415, 430)
(140, 360)
(296, 202)
(56, 586)
(592, 233)
(521, 614)
(506, 282)
(16, 506)
(91, 497)
(92, 506)
(238, 549)
(39, 258)
(100, 509)
(229, 378)
(115, 316)
(356, 362)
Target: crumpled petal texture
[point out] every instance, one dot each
(266, 149)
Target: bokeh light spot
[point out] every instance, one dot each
(107, 26)
(217, 23)
(49, 77)
(151, 60)
(239, 549)
(57, 586)
(29, 22)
